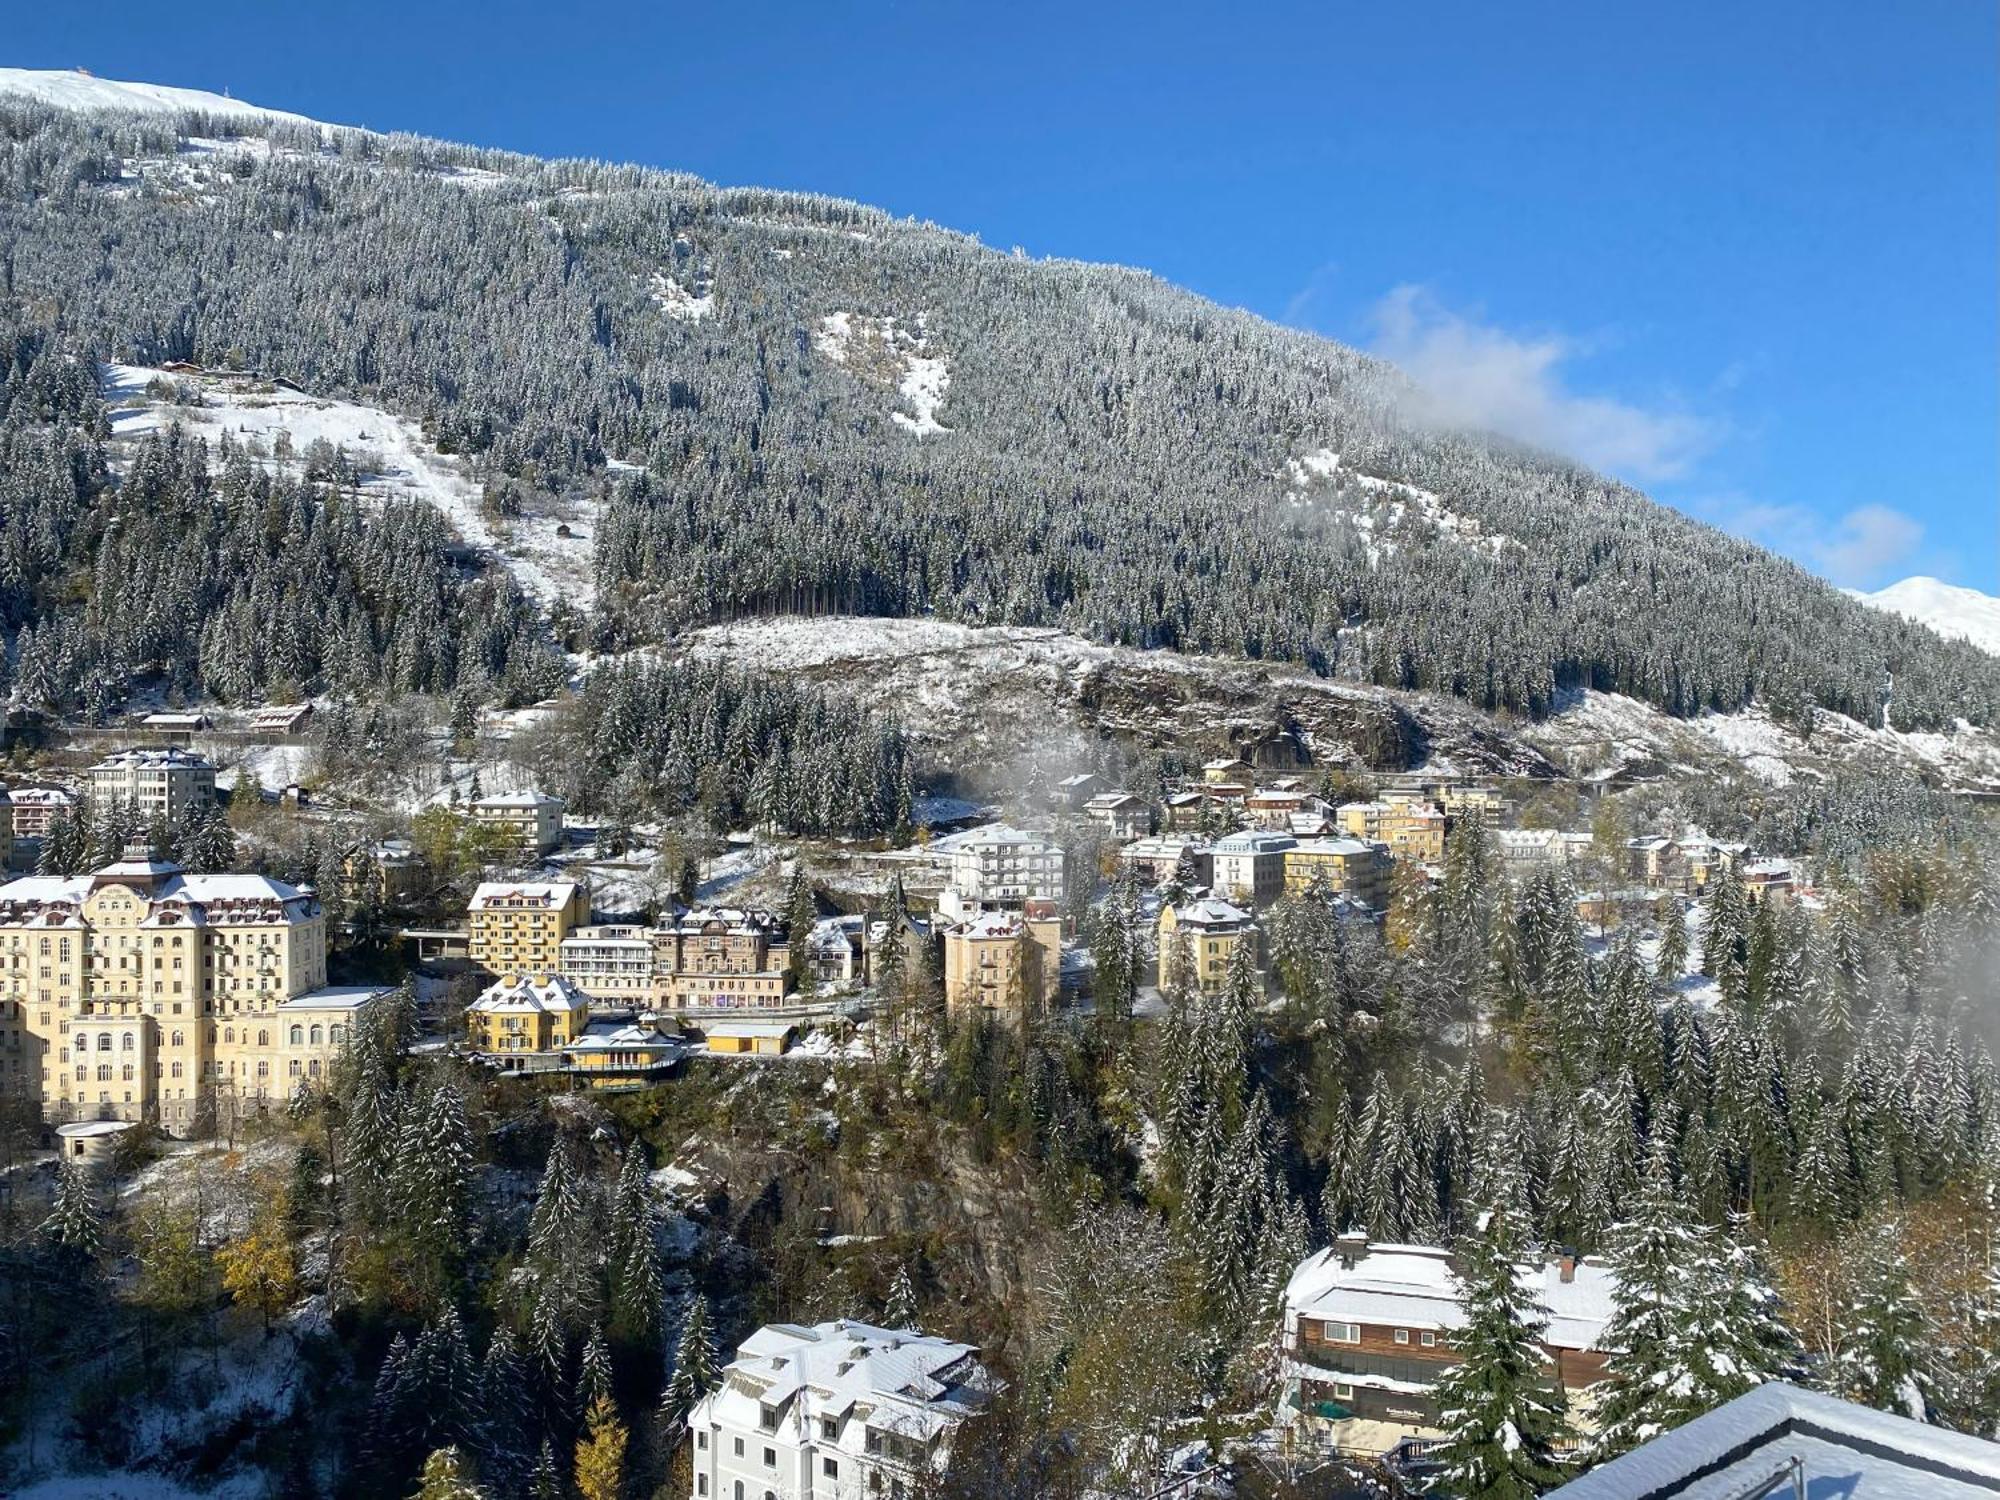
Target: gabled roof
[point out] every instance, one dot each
(529, 893)
(524, 994)
(1411, 1286)
(1744, 1447)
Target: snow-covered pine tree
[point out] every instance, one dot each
(75, 1224)
(697, 1368)
(447, 1476)
(1884, 1357)
(899, 1308)
(1499, 1412)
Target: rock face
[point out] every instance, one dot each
(986, 697)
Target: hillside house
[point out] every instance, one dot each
(1197, 941)
(1121, 815)
(1004, 962)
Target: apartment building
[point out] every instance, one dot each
(1347, 867)
(532, 822)
(1197, 940)
(721, 958)
(613, 964)
(169, 783)
(835, 1411)
(1002, 868)
(1411, 829)
(33, 808)
(1121, 815)
(141, 993)
(1250, 867)
(1368, 1332)
(1155, 859)
(522, 1015)
(1472, 803)
(518, 927)
(1004, 962)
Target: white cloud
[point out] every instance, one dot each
(1472, 374)
(1864, 548)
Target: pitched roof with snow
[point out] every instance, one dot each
(1212, 914)
(1766, 1438)
(1411, 1286)
(177, 897)
(1254, 843)
(528, 994)
(544, 894)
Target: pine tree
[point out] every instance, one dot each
(545, 1480)
(697, 1370)
(593, 1377)
(431, 1183)
(75, 1223)
(504, 1410)
(600, 1455)
(1884, 1358)
(900, 1309)
(447, 1476)
(1500, 1416)
(1673, 956)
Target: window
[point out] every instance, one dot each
(767, 1419)
(739, 1452)
(1427, 1339)
(770, 1458)
(701, 1484)
(1341, 1333)
(1343, 1393)
(701, 1440)
(829, 1430)
(1402, 1335)
(830, 1467)
(298, 1035)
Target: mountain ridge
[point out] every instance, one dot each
(1952, 610)
(989, 440)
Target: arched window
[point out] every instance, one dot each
(229, 1033)
(126, 1072)
(337, 1035)
(263, 1038)
(295, 1068)
(298, 1034)
(178, 1039)
(317, 1037)
(104, 1042)
(130, 1041)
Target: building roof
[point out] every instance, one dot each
(541, 893)
(1253, 842)
(1333, 848)
(1411, 1286)
(1211, 914)
(899, 1380)
(41, 796)
(1840, 1449)
(749, 1029)
(999, 833)
(990, 925)
(529, 994)
(515, 802)
(337, 997)
(152, 759)
(197, 900)
(1111, 802)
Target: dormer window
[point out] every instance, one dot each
(767, 1418)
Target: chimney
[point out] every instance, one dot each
(1350, 1247)
(1566, 1265)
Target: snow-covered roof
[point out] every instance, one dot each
(528, 994)
(1212, 914)
(1333, 848)
(899, 1381)
(1411, 1286)
(1853, 1452)
(975, 839)
(88, 1129)
(336, 997)
(990, 924)
(1253, 842)
(197, 900)
(748, 1029)
(153, 759)
(530, 893)
(1110, 801)
(41, 796)
(515, 802)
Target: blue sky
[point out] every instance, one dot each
(1743, 255)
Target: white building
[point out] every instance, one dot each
(159, 783)
(1002, 867)
(609, 963)
(33, 808)
(1250, 867)
(1121, 815)
(1525, 851)
(837, 1410)
(532, 820)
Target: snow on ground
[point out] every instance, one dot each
(1953, 612)
(76, 89)
(1387, 501)
(876, 351)
(394, 461)
(677, 301)
(272, 767)
(1765, 750)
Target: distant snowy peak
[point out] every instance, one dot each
(1958, 613)
(76, 89)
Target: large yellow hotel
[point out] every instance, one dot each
(140, 992)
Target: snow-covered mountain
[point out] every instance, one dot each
(1952, 611)
(76, 89)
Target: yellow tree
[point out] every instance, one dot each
(600, 1455)
(259, 1270)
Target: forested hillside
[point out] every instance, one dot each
(830, 410)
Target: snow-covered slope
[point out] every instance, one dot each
(75, 89)
(1958, 613)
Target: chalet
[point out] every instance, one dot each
(281, 718)
(1074, 791)
(837, 952)
(615, 1054)
(1185, 811)
(1228, 771)
(1368, 1329)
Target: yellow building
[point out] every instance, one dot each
(1349, 867)
(749, 1038)
(1204, 936)
(1003, 961)
(1412, 830)
(518, 927)
(520, 1015)
(622, 1054)
(142, 993)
